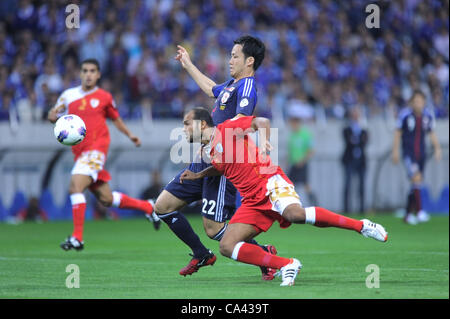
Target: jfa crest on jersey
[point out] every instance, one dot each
(234, 98)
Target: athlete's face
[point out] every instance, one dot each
(89, 75)
(238, 63)
(191, 127)
(418, 103)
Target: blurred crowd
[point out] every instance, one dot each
(321, 59)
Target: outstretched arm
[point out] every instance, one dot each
(205, 83)
(124, 129)
(52, 115)
(189, 175)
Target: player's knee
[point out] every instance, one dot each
(211, 233)
(295, 214)
(226, 248)
(161, 207)
(106, 200)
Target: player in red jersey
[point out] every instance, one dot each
(267, 193)
(94, 105)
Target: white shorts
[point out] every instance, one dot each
(89, 163)
(281, 193)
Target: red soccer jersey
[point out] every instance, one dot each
(236, 156)
(94, 107)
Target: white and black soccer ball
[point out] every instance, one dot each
(70, 130)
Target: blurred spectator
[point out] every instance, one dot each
(299, 105)
(33, 212)
(354, 158)
(322, 47)
(155, 187)
(6, 105)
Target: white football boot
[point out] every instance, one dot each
(373, 230)
(411, 219)
(289, 272)
(423, 216)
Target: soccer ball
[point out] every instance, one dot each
(70, 130)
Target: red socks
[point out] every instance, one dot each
(124, 201)
(321, 217)
(78, 209)
(317, 216)
(255, 255)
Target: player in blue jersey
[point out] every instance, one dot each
(413, 124)
(234, 98)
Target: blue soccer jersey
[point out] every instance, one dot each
(217, 193)
(234, 98)
(414, 128)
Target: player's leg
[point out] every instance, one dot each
(78, 184)
(167, 206)
(235, 245)
(286, 202)
(321, 217)
(303, 179)
(413, 202)
(216, 230)
(362, 178)
(347, 186)
(218, 206)
(124, 201)
(417, 182)
(87, 170)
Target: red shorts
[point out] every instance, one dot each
(262, 213)
(103, 177)
(261, 217)
(91, 163)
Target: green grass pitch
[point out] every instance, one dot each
(129, 259)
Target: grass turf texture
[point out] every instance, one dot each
(129, 259)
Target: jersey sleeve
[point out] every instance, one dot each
(218, 88)
(111, 110)
(246, 97)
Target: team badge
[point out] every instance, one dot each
(225, 97)
(244, 102)
(219, 148)
(222, 107)
(94, 103)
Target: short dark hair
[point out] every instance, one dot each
(91, 61)
(254, 47)
(417, 92)
(202, 114)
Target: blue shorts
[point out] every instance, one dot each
(218, 195)
(413, 166)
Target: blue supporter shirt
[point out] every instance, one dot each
(234, 98)
(414, 128)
